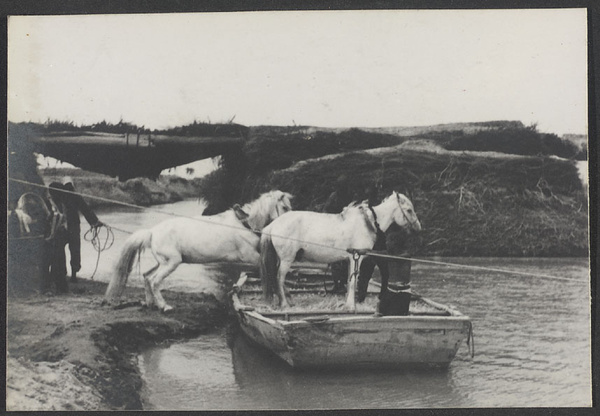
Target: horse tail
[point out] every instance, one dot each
(134, 244)
(269, 263)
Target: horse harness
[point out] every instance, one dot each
(377, 228)
(244, 221)
(412, 223)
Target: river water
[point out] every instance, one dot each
(532, 343)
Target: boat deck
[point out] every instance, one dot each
(317, 331)
(312, 296)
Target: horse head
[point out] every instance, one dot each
(33, 214)
(405, 216)
(267, 207)
(34, 206)
(283, 203)
(398, 209)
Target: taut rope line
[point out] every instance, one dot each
(489, 269)
(371, 253)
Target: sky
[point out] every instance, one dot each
(321, 68)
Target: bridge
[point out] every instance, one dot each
(131, 155)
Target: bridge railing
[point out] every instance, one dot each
(138, 136)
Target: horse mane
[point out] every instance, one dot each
(348, 209)
(259, 210)
(354, 206)
(362, 209)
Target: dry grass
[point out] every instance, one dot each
(469, 205)
(320, 302)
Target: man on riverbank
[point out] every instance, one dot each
(74, 204)
(66, 229)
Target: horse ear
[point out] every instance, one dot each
(239, 212)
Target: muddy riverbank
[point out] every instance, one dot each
(70, 352)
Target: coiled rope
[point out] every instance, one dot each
(93, 236)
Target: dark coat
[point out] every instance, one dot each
(74, 204)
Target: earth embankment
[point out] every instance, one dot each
(70, 352)
(476, 191)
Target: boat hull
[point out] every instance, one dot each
(359, 341)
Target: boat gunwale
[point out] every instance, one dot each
(333, 317)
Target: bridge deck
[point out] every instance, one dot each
(132, 155)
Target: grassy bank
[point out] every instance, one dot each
(138, 191)
(470, 203)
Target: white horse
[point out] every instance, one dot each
(325, 238)
(231, 236)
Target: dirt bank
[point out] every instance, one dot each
(138, 191)
(69, 352)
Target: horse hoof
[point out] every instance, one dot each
(167, 308)
(149, 306)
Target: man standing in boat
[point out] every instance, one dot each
(395, 241)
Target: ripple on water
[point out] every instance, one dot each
(532, 344)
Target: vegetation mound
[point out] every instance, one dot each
(469, 205)
(496, 205)
(271, 151)
(520, 141)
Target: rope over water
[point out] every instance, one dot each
(361, 252)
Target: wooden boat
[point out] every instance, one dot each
(316, 332)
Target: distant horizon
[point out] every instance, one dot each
(80, 125)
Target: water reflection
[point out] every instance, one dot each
(260, 373)
(205, 374)
(532, 341)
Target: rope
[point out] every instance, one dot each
(93, 236)
(489, 269)
(199, 219)
(360, 252)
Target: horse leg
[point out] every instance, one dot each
(163, 271)
(350, 300)
(150, 301)
(284, 267)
